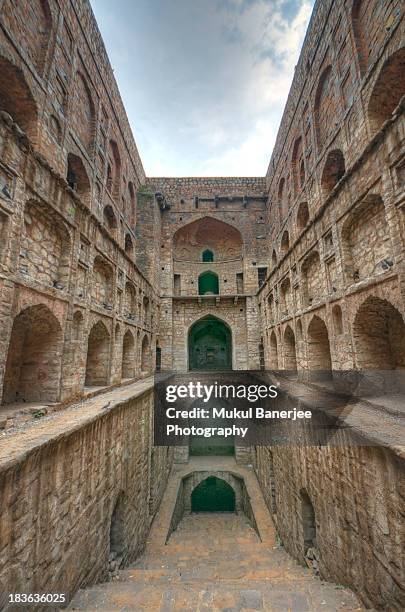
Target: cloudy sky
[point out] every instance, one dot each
(204, 82)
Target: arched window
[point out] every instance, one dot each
(132, 204)
(369, 24)
(208, 255)
(333, 171)
(210, 345)
(208, 283)
(388, 90)
(77, 177)
(13, 87)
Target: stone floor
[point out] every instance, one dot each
(213, 562)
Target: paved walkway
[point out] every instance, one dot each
(213, 562)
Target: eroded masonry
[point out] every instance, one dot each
(107, 276)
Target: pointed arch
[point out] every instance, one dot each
(388, 90)
(273, 353)
(302, 216)
(213, 495)
(325, 107)
(379, 336)
(77, 177)
(31, 22)
(145, 355)
(208, 283)
(333, 171)
(319, 356)
(13, 86)
(98, 356)
(128, 355)
(207, 234)
(290, 354)
(210, 344)
(83, 115)
(34, 356)
(285, 242)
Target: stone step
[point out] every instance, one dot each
(215, 562)
(216, 573)
(206, 596)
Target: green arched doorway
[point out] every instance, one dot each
(213, 495)
(210, 345)
(208, 283)
(208, 255)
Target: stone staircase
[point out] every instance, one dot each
(215, 561)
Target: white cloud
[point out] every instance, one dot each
(273, 80)
(204, 82)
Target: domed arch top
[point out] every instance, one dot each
(210, 345)
(207, 235)
(213, 495)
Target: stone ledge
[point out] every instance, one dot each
(16, 446)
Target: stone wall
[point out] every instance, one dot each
(336, 196)
(337, 506)
(189, 482)
(226, 216)
(60, 264)
(69, 175)
(80, 496)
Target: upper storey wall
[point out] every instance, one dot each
(57, 84)
(333, 108)
(238, 202)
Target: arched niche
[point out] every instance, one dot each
(34, 355)
(210, 345)
(213, 495)
(207, 234)
(98, 356)
(13, 86)
(208, 283)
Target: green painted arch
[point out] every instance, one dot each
(208, 283)
(208, 255)
(213, 495)
(210, 345)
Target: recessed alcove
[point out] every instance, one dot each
(211, 491)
